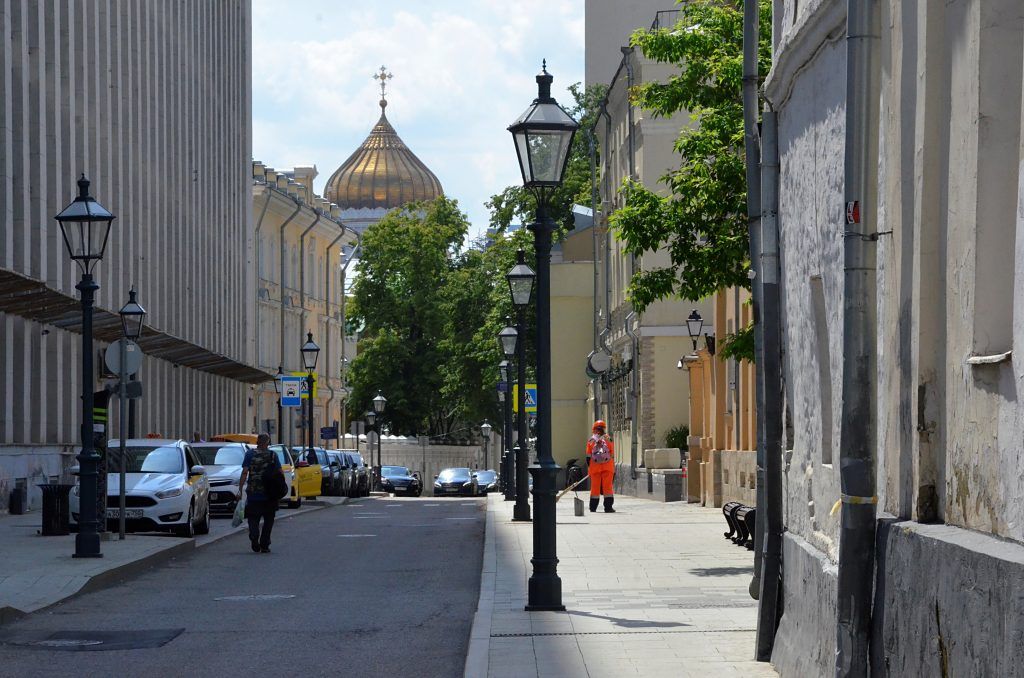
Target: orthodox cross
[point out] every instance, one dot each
(383, 76)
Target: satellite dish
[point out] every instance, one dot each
(599, 361)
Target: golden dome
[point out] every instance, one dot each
(382, 172)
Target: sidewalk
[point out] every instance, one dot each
(652, 590)
(37, 572)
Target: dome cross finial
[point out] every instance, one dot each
(383, 75)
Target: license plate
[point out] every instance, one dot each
(128, 513)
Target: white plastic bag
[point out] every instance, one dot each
(236, 519)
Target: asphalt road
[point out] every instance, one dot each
(380, 587)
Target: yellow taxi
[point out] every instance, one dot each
(303, 478)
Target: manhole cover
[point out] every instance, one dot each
(259, 597)
(92, 641)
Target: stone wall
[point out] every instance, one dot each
(739, 476)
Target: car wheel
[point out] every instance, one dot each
(188, 530)
(204, 525)
(295, 504)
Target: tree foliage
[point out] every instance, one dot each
(702, 224)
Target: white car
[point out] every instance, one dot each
(166, 488)
(223, 464)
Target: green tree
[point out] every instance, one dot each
(703, 223)
(517, 205)
(398, 298)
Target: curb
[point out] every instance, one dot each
(478, 656)
(104, 579)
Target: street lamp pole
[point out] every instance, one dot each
(485, 431)
(132, 316)
(520, 284)
(280, 410)
(543, 136)
(507, 460)
(85, 227)
(310, 352)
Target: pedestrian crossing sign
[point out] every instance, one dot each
(531, 398)
(304, 386)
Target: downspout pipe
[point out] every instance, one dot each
(344, 298)
(635, 428)
(771, 314)
(256, 303)
(857, 436)
(592, 150)
(634, 389)
(607, 333)
(752, 151)
(302, 312)
(284, 255)
(327, 308)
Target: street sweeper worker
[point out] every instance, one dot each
(601, 467)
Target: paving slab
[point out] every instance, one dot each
(652, 590)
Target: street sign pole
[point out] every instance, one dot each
(122, 389)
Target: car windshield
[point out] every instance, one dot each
(394, 471)
(450, 474)
(164, 459)
(486, 476)
(228, 455)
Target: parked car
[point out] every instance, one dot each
(305, 478)
(223, 464)
(399, 479)
(487, 481)
(362, 474)
(318, 456)
(455, 481)
(166, 488)
(344, 473)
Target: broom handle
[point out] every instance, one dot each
(570, 488)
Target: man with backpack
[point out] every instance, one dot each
(261, 469)
(601, 467)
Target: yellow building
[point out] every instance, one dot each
(301, 245)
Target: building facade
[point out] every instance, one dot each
(152, 102)
(302, 255)
(947, 200)
(641, 395)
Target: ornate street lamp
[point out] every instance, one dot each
(379, 402)
(85, 226)
(508, 337)
(694, 323)
(543, 136)
(520, 286)
(310, 353)
(507, 460)
(278, 384)
(485, 431)
(132, 317)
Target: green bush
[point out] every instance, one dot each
(677, 437)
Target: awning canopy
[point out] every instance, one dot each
(32, 299)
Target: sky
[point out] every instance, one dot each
(463, 71)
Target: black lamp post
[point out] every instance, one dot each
(379, 402)
(694, 323)
(132, 317)
(310, 352)
(485, 431)
(371, 419)
(543, 135)
(85, 226)
(280, 410)
(507, 473)
(520, 286)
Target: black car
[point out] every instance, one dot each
(399, 479)
(487, 481)
(455, 481)
(362, 474)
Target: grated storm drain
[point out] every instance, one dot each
(92, 641)
(707, 604)
(614, 633)
(258, 597)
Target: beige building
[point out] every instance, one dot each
(302, 249)
(124, 93)
(641, 395)
(948, 205)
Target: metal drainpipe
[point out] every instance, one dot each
(256, 302)
(327, 308)
(627, 53)
(344, 270)
(857, 436)
(302, 311)
(592, 148)
(284, 256)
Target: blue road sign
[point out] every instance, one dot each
(328, 433)
(291, 391)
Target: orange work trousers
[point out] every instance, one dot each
(601, 477)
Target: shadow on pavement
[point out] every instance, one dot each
(630, 623)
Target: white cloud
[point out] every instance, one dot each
(463, 71)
